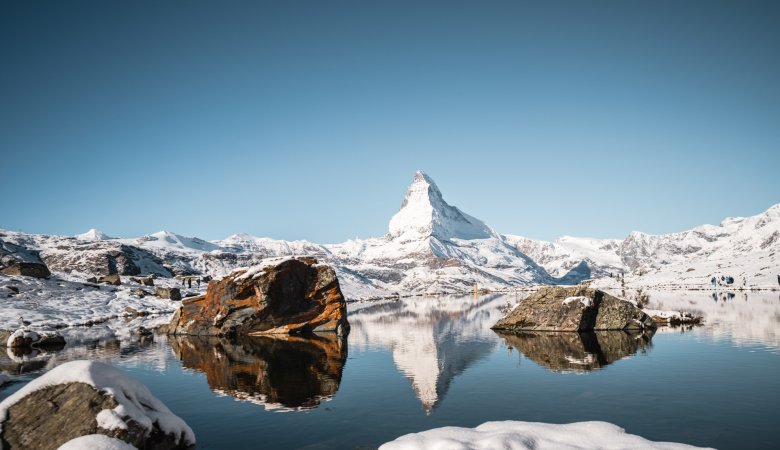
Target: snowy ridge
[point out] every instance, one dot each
(431, 247)
(742, 247)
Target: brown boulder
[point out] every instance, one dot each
(28, 269)
(110, 279)
(291, 296)
(169, 293)
(578, 308)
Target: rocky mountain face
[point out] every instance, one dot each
(431, 247)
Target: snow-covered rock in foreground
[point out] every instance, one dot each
(96, 442)
(130, 411)
(529, 435)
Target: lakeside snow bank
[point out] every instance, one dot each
(529, 435)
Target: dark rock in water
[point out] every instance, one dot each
(147, 281)
(56, 412)
(578, 308)
(578, 352)
(295, 372)
(13, 289)
(92, 280)
(28, 269)
(292, 296)
(24, 338)
(169, 293)
(110, 279)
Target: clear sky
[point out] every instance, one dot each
(307, 120)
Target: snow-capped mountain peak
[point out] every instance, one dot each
(424, 212)
(93, 235)
(172, 241)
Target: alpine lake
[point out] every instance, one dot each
(423, 362)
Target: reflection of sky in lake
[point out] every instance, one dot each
(422, 363)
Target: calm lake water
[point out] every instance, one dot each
(421, 363)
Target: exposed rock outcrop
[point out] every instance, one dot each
(83, 398)
(169, 293)
(287, 296)
(27, 269)
(557, 308)
(110, 279)
(279, 371)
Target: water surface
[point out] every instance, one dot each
(420, 363)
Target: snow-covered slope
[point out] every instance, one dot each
(740, 246)
(424, 213)
(93, 235)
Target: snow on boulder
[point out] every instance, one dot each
(96, 442)
(529, 435)
(557, 308)
(24, 337)
(282, 295)
(81, 398)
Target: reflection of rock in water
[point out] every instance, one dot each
(277, 371)
(579, 352)
(432, 340)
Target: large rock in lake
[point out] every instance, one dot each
(83, 398)
(280, 296)
(557, 308)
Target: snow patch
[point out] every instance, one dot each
(96, 442)
(586, 302)
(529, 435)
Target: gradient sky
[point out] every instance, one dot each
(307, 120)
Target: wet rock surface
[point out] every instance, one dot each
(278, 371)
(290, 296)
(557, 308)
(578, 352)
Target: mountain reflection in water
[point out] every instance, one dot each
(432, 340)
(279, 372)
(577, 352)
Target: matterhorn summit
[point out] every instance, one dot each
(424, 213)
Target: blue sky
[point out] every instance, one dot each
(307, 120)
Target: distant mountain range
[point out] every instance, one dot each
(431, 247)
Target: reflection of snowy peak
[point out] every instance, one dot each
(432, 340)
(424, 213)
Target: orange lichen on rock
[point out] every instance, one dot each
(291, 296)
